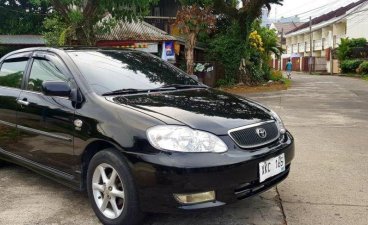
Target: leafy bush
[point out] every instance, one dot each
(276, 75)
(363, 68)
(350, 66)
(345, 49)
(267, 72)
(6, 49)
(357, 42)
(227, 48)
(227, 81)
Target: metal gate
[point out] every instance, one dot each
(318, 64)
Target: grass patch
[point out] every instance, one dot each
(350, 75)
(283, 84)
(287, 82)
(354, 75)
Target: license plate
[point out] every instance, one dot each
(271, 167)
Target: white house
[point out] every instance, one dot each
(327, 30)
(282, 28)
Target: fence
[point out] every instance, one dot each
(318, 64)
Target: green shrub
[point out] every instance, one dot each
(350, 66)
(227, 48)
(225, 82)
(345, 49)
(358, 42)
(363, 68)
(276, 75)
(267, 72)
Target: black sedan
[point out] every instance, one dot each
(134, 131)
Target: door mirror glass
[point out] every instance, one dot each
(56, 88)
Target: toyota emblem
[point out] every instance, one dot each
(261, 132)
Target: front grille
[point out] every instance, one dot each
(247, 137)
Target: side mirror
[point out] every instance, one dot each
(56, 88)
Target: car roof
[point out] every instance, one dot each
(68, 49)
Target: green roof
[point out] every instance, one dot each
(31, 40)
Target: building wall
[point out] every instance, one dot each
(323, 38)
(162, 14)
(357, 24)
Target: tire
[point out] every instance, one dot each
(114, 201)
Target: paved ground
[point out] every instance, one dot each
(329, 176)
(327, 185)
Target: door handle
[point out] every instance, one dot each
(23, 102)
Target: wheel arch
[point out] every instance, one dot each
(90, 150)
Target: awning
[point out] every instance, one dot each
(28, 40)
(139, 31)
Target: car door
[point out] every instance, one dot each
(11, 78)
(45, 123)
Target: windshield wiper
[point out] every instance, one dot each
(164, 87)
(125, 91)
(182, 86)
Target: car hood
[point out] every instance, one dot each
(204, 109)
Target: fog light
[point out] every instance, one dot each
(195, 198)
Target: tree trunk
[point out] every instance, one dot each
(85, 34)
(189, 52)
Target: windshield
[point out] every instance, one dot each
(108, 71)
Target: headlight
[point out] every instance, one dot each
(280, 124)
(184, 139)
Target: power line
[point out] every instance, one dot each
(311, 10)
(355, 11)
(364, 18)
(346, 15)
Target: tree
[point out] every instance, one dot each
(269, 45)
(244, 15)
(79, 18)
(21, 17)
(346, 47)
(225, 47)
(193, 18)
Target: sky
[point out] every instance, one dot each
(301, 8)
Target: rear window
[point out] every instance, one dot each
(11, 72)
(108, 71)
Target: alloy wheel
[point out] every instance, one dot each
(108, 191)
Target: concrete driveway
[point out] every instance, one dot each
(327, 184)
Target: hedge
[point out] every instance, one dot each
(363, 68)
(350, 66)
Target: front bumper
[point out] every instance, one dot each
(233, 175)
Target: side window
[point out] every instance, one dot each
(44, 70)
(11, 72)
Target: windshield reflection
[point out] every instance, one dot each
(205, 102)
(108, 71)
